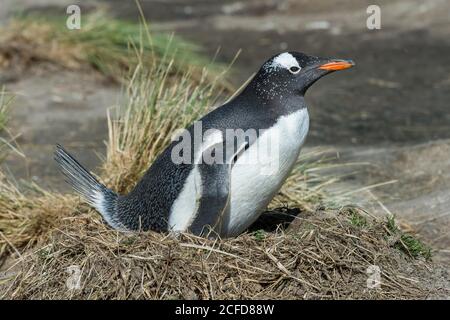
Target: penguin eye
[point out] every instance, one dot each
(294, 69)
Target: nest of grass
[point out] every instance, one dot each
(321, 255)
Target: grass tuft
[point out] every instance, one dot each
(407, 243)
(102, 43)
(356, 218)
(259, 235)
(5, 103)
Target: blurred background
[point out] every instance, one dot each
(390, 114)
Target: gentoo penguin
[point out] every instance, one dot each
(222, 183)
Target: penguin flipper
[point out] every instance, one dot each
(214, 200)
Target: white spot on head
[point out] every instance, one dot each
(284, 60)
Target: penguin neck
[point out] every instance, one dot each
(279, 102)
(289, 104)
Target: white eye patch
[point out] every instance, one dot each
(286, 61)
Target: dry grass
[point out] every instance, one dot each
(5, 102)
(323, 256)
(25, 220)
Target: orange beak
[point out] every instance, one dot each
(337, 65)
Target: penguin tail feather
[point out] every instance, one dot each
(88, 187)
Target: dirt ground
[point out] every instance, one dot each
(391, 111)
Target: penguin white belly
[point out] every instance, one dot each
(260, 172)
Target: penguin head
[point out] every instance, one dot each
(293, 73)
